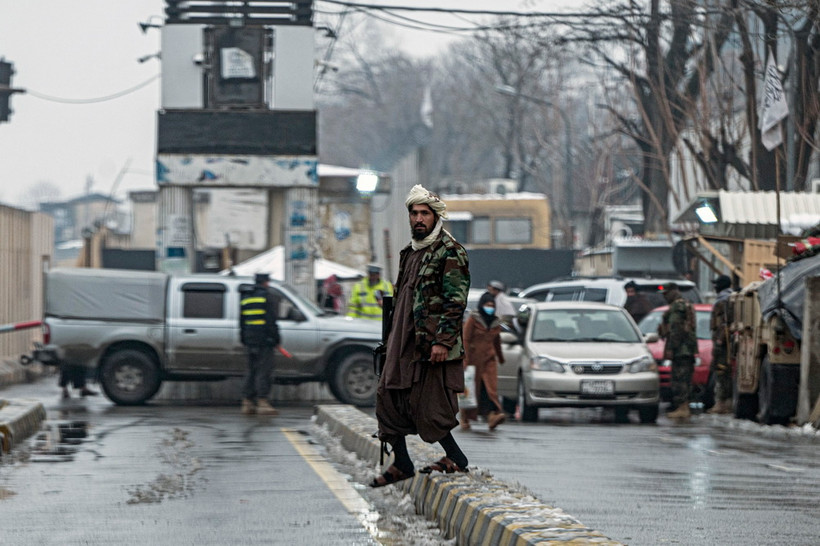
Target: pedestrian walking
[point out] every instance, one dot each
(720, 368)
(331, 296)
(482, 347)
(637, 303)
(504, 308)
(260, 335)
(72, 374)
(677, 327)
(366, 297)
(423, 372)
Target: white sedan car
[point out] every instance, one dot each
(578, 354)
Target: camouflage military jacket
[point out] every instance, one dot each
(678, 329)
(720, 318)
(440, 296)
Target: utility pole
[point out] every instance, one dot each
(6, 90)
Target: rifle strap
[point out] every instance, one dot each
(383, 449)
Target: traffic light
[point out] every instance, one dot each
(6, 90)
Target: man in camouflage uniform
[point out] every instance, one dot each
(423, 370)
(677, 327)
(720, 368)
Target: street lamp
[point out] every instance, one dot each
(512, 92)
(706, 213)
(366, 183)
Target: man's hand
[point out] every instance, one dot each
(438, 353)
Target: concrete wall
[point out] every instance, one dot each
(26, 245)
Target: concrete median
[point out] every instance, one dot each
(19, 419)
(473, 508)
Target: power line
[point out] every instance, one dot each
(455, 10)
(97, 99)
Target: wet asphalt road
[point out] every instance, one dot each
(185, 474)
(167, 475)
(715, 481)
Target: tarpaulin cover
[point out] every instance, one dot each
(792, 293)
(106, 294)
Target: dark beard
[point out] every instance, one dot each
(420, 235)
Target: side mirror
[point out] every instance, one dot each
(523, 316)
(651, 337)
(509, 337)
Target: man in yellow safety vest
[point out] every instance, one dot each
(366, 299)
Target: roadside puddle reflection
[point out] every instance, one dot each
(58, 442)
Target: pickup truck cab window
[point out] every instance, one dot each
(203, 300)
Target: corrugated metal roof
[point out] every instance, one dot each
(753, 215)
(761, 207)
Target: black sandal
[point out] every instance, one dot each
(446, 465)
(391, 475)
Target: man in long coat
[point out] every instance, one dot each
(423, 372)
(482, 347)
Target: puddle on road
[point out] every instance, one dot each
(58, 442)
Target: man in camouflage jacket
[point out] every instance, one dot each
(677, 327)
(423, 370)
(719, 322)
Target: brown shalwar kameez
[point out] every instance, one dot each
(415, 397)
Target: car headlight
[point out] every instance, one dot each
(643, 364)
(546, 364)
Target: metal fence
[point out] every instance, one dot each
(26, 243)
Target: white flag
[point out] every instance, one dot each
(427, 108)
(773, 106)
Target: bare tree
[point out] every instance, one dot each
(658, 49)
(369, 109)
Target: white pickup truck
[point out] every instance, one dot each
(135, 329)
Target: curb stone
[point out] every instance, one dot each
(19, 419)
(473, 508)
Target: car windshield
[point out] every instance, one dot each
(292, 293)
(573, 325)
(649, 324)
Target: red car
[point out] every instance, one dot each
(700, 379)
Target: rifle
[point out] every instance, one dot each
(380, 351)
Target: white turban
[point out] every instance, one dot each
(420, 196)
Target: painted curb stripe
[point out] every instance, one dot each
(19, 419)
(473, 509)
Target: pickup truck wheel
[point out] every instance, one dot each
(745, 404)
(353, 381)
(768, 397)
(129, 377)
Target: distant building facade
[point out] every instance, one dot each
(500, 220)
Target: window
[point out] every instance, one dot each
(566, 293)
(203, 300)
(481, 231)
(595, 294)
(459, 230)
(513, 231)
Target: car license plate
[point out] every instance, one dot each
(598, 387)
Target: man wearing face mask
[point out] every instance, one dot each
(482, 347)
